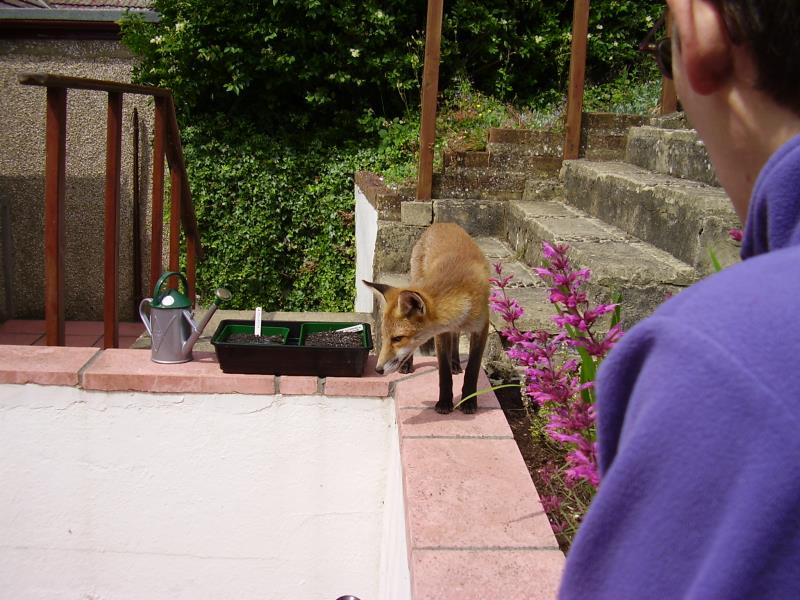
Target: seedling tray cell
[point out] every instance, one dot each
(292, 358)
(230, 330)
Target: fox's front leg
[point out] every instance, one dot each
(408, 365)
(443, 358)
(477, 342)
(455, 358)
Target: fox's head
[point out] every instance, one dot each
(403, 326)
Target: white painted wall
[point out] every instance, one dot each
(366, 235)
(133, 496)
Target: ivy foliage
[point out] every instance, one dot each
(276, 219)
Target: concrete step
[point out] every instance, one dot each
(481, 182)
(393, 244)
(477, 216)
(676, 120)
(603, 137)
(620, 263)
(676, 152)
(684, 218)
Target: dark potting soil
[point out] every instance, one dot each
(251, 338)
(335, 339)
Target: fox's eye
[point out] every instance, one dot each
(398, 338)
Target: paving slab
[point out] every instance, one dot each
(468, 493)
(483, 573)
(48, 365)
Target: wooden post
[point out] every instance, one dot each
(430, 91)
(577, 76)
(157, 202)
(111, 248)
(191, 266)
(54, 186)
(176, 191)
(137, 228)
(669, 99)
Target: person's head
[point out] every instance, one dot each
(737, 73)
(771, 31)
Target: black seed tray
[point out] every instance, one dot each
(292, 358)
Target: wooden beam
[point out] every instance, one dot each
(157, 200)
(136, 216)
(176, 191)
(191, 267)
(81, 83)
(577, 77)
(669, 98)
(430, 92)
(54, 187)
(111, 237)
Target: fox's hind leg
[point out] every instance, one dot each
(443, 358)
(477, 342)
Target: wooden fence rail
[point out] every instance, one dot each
(166, 144)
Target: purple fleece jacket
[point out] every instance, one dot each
(699, 430)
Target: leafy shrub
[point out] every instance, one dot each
(302, 61)
(276, 220)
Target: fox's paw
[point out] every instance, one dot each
(455, 367)
(444, 407)
(469, 407)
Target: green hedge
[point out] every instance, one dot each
(277, 220)
(307, 61)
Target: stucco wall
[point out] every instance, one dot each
(366, 234)
(22, 156)
(150, 496)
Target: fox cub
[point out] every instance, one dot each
(448, 294)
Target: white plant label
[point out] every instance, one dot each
(258, 321)
(352, 328)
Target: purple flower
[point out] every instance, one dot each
(553, 369)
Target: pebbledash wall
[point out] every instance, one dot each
(22, 154)
(194, 496)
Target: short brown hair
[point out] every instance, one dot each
(772, 30)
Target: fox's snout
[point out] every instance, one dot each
(384, 367)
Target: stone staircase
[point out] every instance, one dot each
(641, 209)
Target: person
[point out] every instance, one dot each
(698, 410)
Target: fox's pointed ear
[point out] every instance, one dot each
(411, 303)
(378, 288)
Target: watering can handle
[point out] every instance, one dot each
(145, 316)
(166, 276)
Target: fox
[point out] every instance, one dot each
(448, 295)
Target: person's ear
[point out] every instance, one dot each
(705, 47)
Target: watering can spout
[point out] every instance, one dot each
(220, 295)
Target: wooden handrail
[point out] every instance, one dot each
(166, 143)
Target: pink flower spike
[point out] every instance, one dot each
(736, 234)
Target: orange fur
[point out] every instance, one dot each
(448, 294)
